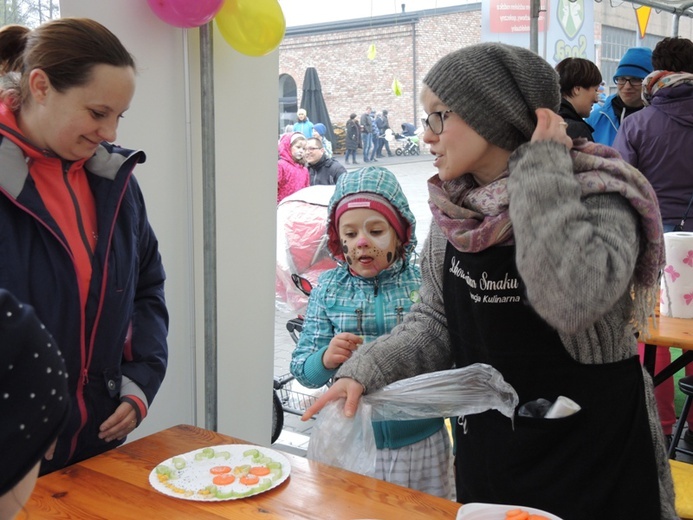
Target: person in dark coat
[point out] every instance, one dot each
(353, 138)
(408, 129)
(77, 244)
(580, 80)
(383, 124)
(323, 169)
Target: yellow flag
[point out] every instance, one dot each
(396, 87)
(371, 52)
(643, 16)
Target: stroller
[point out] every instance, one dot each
(302, 255)
(302, 243)
(410, 145)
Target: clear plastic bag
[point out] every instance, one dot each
(349, 442)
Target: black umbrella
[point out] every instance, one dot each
(313, 102)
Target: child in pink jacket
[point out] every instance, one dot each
(292, 174)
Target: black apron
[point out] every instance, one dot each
(598, 463)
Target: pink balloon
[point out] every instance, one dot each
(186, 13)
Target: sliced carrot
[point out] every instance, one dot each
(223, 480)
(220, 470)
(250, 480)
(260, 471)
(537, 517)
(516, 514)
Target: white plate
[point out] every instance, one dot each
(479, 511)
(189, 475)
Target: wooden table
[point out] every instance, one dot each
(115, 485)
(670, 332)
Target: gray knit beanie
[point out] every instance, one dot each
(495, 88)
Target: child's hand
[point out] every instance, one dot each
(551, 127)
(340, 349)
(349, 389)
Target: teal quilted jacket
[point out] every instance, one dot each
(368, 307)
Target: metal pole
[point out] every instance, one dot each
(534, 9)
(415, 78)
(675, 27)
(209, 216)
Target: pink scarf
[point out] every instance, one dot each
(663, 79)
(474, 218)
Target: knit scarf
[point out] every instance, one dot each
(474, 218)
(661, 79)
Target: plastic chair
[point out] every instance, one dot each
(686, 386)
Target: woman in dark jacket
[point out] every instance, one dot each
(76, 241)
(353, 138)
(579, 80)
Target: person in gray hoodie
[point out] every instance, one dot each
(542, 260)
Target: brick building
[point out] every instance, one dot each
(406, 47)
(408, 44)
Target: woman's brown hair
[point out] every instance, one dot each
(66, 49)
(577, 72)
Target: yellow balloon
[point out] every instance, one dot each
(252, 27)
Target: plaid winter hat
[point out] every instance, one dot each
(33, 390)
(495, 88)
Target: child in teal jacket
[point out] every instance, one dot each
(371, 235)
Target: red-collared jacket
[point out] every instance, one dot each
(122, 329)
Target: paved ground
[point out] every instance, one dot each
(412, 172)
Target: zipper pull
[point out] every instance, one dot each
(85, 377)
(375, 287)
(400, 314)
(359, 322)
(462, 421)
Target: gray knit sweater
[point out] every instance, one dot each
(576, 257)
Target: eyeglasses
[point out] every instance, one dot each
(434, 121)
(634, 82)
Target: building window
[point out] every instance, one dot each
(288, 102)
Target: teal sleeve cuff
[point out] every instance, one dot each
(315, 371)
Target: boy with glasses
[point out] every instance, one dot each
(323, 169)
(632, 69)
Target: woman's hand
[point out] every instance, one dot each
(341, 347)
(121, 423)
(345, 387)
(551, 127)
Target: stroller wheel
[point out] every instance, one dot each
(416, 151)
(277, 417)
(406, 151)
(398, 151)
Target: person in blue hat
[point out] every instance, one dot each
(635, 64)
(319, 131)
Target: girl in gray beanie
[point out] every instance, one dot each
(542, 260)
